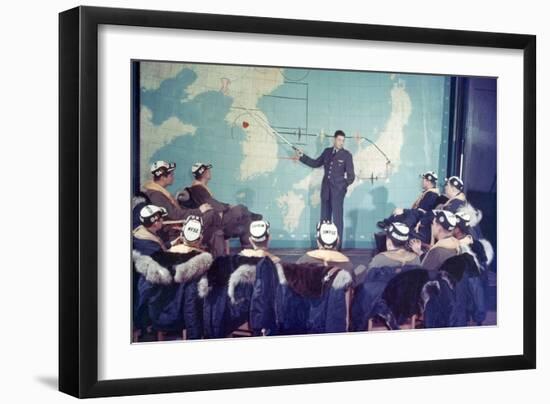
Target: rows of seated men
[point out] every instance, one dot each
(220, 221)
(443, 230)
(420, 215)
(181, 286)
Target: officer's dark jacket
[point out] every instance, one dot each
(336, 165)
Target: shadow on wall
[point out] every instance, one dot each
(362, 221)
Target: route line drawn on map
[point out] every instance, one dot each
(300, 134)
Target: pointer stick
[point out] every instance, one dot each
(270, 129)
(285, 140)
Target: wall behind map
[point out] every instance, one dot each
(226, 115)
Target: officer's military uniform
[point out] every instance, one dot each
(339, 174)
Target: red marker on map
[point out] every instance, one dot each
(245, 124)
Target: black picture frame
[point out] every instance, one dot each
(78, 193)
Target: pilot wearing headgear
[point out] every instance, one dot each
(428, 198)
(259, 240)
(146, 239)
(462, 231)
(446, 245)
(235, 219)
(326, 253)
(191, 236)
(454, 190)
(163, 176)
(424, 203)
(465, 234)
(396, 254)
(167, 286)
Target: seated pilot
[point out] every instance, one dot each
(276, 297)
(462, 231)
(464, 279)
(427, 201)
(454, 191)
(315, 293)
(139, 201)
(396, 255)
(146, 237)
(259, 240)
(446, 245)
(456, 200)
(156, 190)
(166, 294)
(236, 219)
(326, 253)
(370, 284)
(191, 236)
(465, 233)
(230, 303)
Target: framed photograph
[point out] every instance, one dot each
(249, 201)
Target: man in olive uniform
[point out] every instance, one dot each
(339, 174)
(446, 245)
(236, 219)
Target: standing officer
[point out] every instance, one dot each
(339, 174)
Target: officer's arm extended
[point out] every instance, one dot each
(313, 163)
